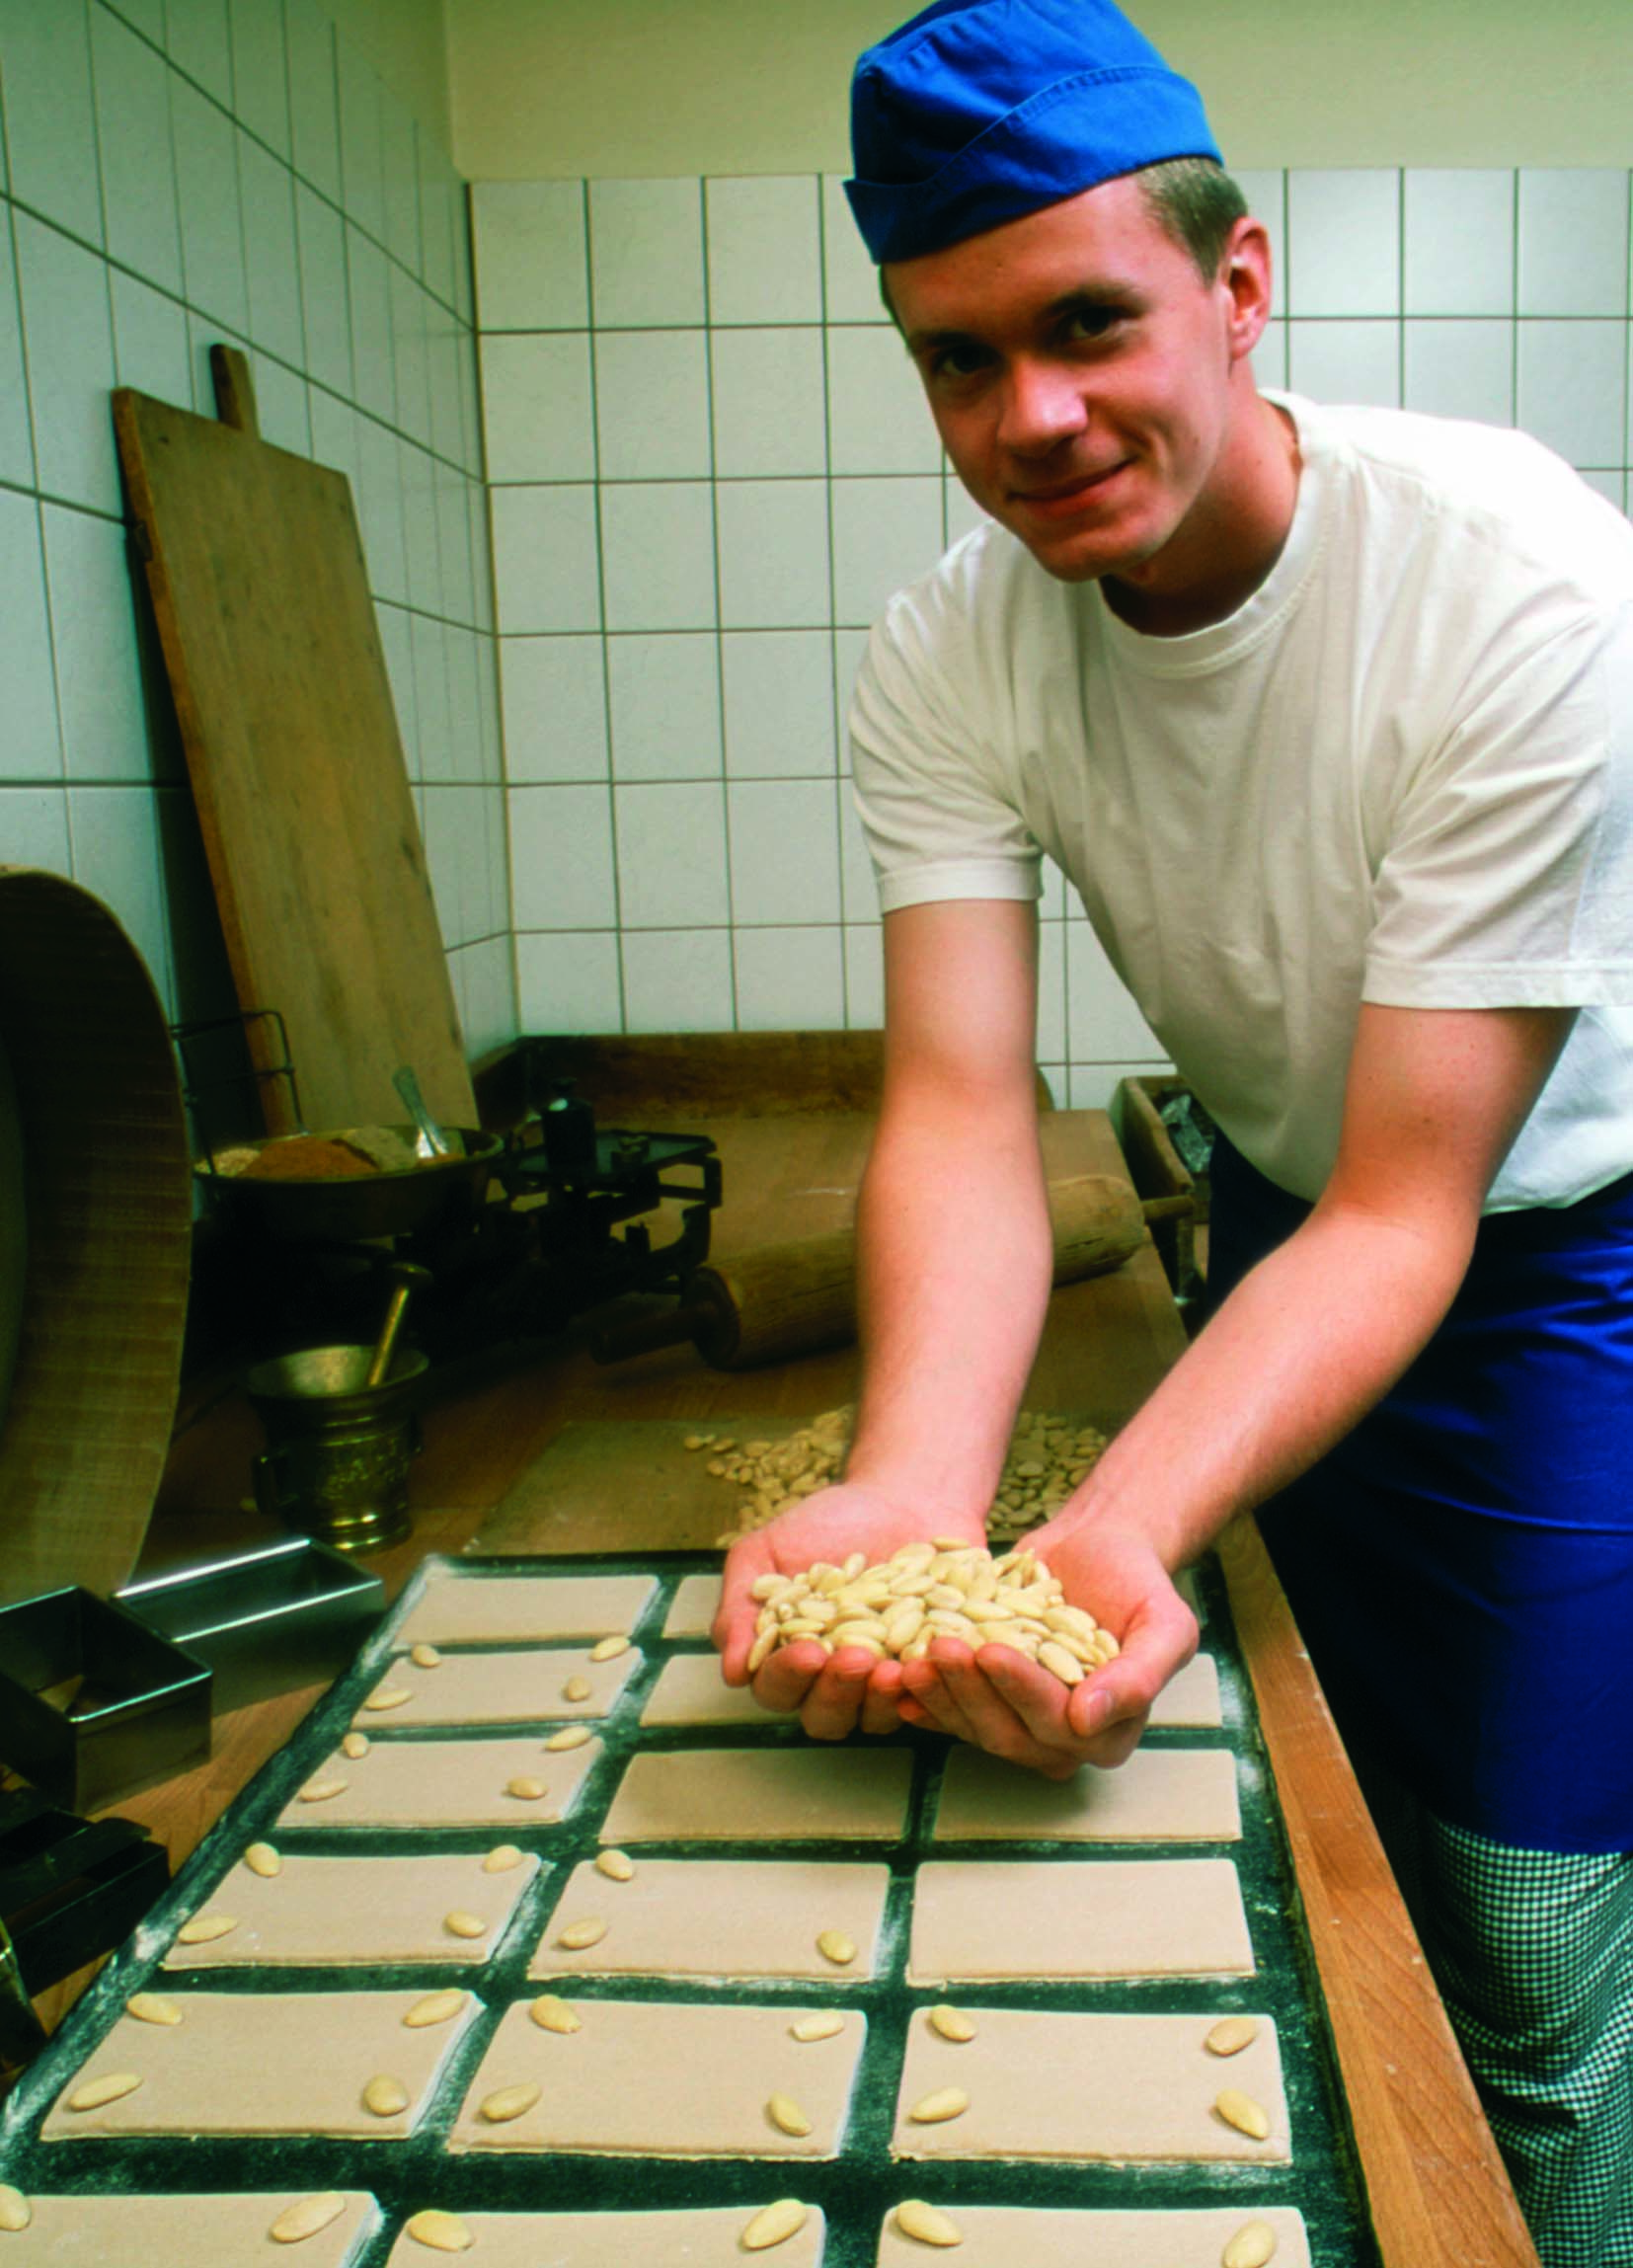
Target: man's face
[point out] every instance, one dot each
(1083, 378)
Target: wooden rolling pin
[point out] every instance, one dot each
(794, 1298)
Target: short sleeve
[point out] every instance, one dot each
(1507, 880)
(926, 755)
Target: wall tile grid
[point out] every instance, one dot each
(174, 172)
(710, 464)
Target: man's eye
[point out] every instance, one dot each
(1091, 322)
(953, 362)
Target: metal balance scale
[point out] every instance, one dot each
(496, 1238)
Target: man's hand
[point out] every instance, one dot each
(998, 1700)
(834, 1694)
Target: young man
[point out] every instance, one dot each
(1328, 715)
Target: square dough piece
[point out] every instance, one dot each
(445, 1783)
(979, 1920)
(999, 2237)
(1043, 2085)
(690, 1690)
(703, 2240)
(1160, 1795)
(761, 1795)
(693, 1607)
(1193, 1697)
(671, 2079)
(323, 1912)
(718, 1918)
(266, 2063)
(514, 1689)
(184, 2231)
(494, 1610)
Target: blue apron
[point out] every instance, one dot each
(1461, 1565)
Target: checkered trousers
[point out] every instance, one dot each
(1533, 1954)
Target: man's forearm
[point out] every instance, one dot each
(1299, 1352)
(955, 1261)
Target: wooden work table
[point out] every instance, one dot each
(1438, 2194)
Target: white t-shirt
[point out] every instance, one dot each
(1402, 772)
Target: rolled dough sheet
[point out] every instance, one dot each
(693, 1609)
(690, 1690)
(327, 1912)
(497, 1689)
(999, 2237)
(266, 2063)
(445, 1783)
(490, 1609)
(761, 1795)
(183, 2231)
(1160, 1795)
(1193, 1697)
(983, 1920)
(672, 2079)
(1046, 2085)
(705, 2240)
(718, 1918)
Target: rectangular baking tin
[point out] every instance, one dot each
(290, 1614)
(142, 1710)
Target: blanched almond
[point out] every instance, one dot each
(576, 1690)
(306, 2216)
(616, 1866)
(355, 1745)
(579, 1935)
(1253, 2245)
(1230, 2035)
(501, 1858)
(507, 2104)
(388, 1697)
(917, 2218)
(774, 2224)
(570, 1736)
(152, 2008)
(952, 2023)
(825, 2025)
(608, 1649)
(440, 2232)
(459, 1923)
(943, 2103)
(320, 1791)
(110, 2089)
(552, 2014)
(433, 2008)
(525, 1788)
(260, 1858)
(785, 2113)
(833, 1945)
(1243, 2113)
(15, 2210)
(385, 2096)
(424, 1657)
(205, 1928)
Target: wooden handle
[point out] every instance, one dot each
(229, 368)
(781, 1300)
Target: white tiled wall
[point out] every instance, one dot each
(710, 465)
(176, 172)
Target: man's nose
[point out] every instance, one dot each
(1043, 405)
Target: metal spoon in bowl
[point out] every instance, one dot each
(432, 1142)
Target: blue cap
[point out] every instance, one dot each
(979, 111)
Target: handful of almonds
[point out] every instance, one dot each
(944, 1588)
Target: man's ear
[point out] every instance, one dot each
(1245, 273)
